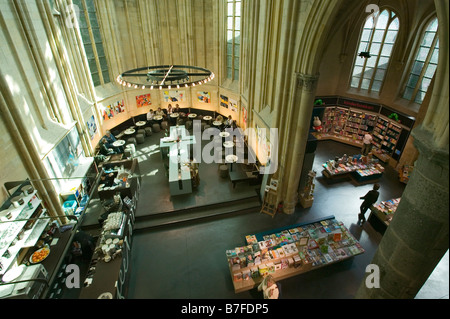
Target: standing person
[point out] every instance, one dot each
(269, 288)
(370, 198)
(367, 144)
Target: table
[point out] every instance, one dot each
(217, 123)
(119, 143)
(207, 118)
(239, 175)
(192, 115)
(305, 257)
(158, 117)
(231, 159)
(228, 144)
(224, 134)
(174, 115)
(130, 131)
(178, 144)
(141, 123)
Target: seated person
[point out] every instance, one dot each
(150, 115)
(219, 118)
(107, 180)
(176, 109)
(229, 122)
(104, 148)
(169, 109)
(160, 112)
(110, 139)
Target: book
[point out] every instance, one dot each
(304, 241)
(254, 273)
(337, 236)
(237, 276)
(263, 269)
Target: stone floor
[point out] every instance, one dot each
(187, 260)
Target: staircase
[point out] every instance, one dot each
(218, 210)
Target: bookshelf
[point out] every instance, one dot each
(385, 138)
(328, 120)
(339, 120)
(290, 251)
(349, 125)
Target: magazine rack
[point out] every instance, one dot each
(270, 202)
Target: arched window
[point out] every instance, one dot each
(92, 41)
(375, 48)
(233, 38)
(424, 65)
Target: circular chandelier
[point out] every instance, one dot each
(165, 77)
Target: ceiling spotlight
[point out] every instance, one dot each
(165, 76)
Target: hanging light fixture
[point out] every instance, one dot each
(163, 76)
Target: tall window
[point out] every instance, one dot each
(233, 38)
(92, 41)
(424, 65)
(378, 38)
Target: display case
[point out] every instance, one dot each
(21, 226)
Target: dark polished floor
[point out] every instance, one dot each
(187, 260)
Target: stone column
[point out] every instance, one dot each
(417, 237)
(293, 158)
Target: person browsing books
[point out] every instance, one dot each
(367, 144)
(269, 288)
(369, 199)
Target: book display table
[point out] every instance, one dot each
(359, 168)
(381, 214)
(290, 251)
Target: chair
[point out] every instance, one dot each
(140, 138)
(132, 140)
(188, 125)
(164, 125)
(141, 131)
(156, 128)
(180, 121)
(148, 131)
(223, 171)
(130, 149)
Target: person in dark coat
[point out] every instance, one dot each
(370, 198)
(105, 149)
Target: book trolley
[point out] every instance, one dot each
(290, 251)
